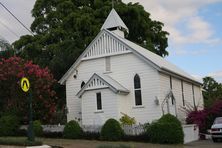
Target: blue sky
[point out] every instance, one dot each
(204, 57)
(195, 27)
(195, 41)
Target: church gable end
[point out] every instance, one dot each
(95, 83)
(104, 45)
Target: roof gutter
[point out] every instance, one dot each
(169, 72)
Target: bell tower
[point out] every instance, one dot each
(115, 24)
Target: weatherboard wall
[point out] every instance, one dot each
(84, 71)
(90, 114)
(123, 69)
(177, 91)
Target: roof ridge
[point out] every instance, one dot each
(156, 59)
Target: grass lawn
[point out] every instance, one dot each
(66, 143)
(19, 141)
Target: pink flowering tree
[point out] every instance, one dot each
(205, 118)
(14, 101)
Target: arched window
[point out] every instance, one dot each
(82, 84)
(137, 90)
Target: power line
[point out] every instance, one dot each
(10, 30)
(16, 18)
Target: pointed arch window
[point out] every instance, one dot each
(137, 90)
(82, 84)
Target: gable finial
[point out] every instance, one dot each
(112, 3)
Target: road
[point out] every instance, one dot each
(94, 144)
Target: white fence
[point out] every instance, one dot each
(191, 131)
(48, 128)
(133, 129)
(128, 129)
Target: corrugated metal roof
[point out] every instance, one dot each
(154, 58)
(114, 20)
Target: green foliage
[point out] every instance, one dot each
(8, 125)
(167, 129)
(168, 118)
(111, 131)
(18, 141)
(213, 91)
(72, 130)
(37, 127)
(127, 120)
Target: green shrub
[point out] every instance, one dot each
(127, 120)
(111, 131)
(8, 125)
(167, 129)
(37, 127)
(72, 130)
(168, 118)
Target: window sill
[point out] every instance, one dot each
(107, 72)
(99, 111)
(139, 106)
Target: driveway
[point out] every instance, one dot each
(204, 144)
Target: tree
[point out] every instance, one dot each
(6, 49)
(14, 101)
(63, 29)
(4, 45)
(212, 91)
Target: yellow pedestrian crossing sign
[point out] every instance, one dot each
(25, 85)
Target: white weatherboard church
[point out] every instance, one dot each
(115, 76)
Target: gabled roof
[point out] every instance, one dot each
(161, 63)
(98, 81)
(154, 60)
(114, 20)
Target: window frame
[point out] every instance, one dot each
(99, 106)
(137, 89)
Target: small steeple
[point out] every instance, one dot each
(114, 23)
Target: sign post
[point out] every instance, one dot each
(25, 85)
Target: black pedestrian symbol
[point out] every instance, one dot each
(25, 85)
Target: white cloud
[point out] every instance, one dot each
(172, 13)
(182, 52)
(198, 77)
(217, 75)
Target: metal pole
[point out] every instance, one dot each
(31, 136)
